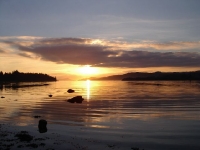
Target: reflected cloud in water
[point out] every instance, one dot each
(154, 112)
(106, 102)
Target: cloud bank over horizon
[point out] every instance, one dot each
(104, 53)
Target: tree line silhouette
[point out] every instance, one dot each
(17, 76)
(195, 75)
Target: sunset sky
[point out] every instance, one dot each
(89, 38)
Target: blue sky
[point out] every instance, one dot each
(130, 19)
(135, 29)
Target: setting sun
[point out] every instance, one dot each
(87, 70)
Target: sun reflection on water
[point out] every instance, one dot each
(88, 90)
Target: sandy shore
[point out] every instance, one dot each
(21, 137)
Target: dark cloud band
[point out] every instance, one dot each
(81, 52)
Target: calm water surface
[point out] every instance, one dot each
(150, 115)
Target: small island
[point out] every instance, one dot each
(17, 76)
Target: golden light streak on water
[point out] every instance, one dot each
(88, 90)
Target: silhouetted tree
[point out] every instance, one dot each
(17, 76)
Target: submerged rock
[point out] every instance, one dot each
(70, 91)
(42, 126)
(76, 99)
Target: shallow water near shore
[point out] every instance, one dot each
(150, 115)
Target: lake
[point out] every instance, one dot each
(149, 115)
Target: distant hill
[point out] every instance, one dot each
(17, 76)
(113, 77)
(195, 75)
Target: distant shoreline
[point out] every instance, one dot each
(155, 76)
(15, 86)
(17, 76)
(164, 76)
(158, 80)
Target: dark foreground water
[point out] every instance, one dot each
(160, 115)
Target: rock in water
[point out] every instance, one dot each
(42, 126)
(70, 91)
(76, 99)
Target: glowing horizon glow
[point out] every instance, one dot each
(87, 70)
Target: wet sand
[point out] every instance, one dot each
(149, 136)
(13, 137)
